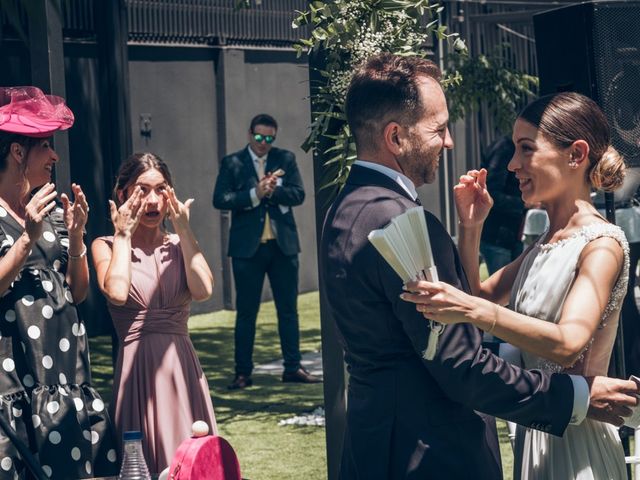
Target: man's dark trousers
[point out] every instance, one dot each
(249, 273)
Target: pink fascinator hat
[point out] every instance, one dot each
(28, 111)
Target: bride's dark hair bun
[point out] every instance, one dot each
(608, 173)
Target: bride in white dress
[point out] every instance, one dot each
(565, 291)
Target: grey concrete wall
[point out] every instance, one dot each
(177, 88)
(201, 102)
(274, 82)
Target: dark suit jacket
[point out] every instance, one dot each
(236, 178)
(408, 417)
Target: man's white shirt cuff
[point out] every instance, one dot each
(580, 399)
(255, 201)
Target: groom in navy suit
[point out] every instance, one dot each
(260, 184)
(410, 418)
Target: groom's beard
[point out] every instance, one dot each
(420, 163)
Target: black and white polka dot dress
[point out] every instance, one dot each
(45, 391)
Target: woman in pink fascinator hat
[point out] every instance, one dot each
(45, 385)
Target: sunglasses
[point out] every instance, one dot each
(258, 137)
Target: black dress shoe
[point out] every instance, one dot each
(300, 376)
(241, 381)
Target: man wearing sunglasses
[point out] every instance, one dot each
(260, 184)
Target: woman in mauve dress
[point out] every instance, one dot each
(149, 277)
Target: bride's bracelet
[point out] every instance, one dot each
(495, 319)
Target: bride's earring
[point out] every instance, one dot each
(572, 163)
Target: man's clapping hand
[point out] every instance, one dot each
(266, 186)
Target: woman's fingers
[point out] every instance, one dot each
(482, 178)
(80, 197)
(174, 199)
(421, 286)
(175, 203)
(47, 208)
(40, 202)
(46, 189)
(65, 202)
(417, 298)
(140, 210)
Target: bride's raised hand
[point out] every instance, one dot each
(440, 301)
(472, 198)
(126, 218)
(178, 212)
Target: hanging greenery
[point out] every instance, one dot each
(346, 32)
(486, 79)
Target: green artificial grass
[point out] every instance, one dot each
(249, 418)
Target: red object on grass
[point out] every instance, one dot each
(210, 457)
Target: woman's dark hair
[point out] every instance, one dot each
(7, 139)
(565, 117)
(136, 165)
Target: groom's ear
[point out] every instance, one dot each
(391, 138)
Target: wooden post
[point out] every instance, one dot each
(47, 71)
(332, 353)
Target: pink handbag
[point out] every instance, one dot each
(207, 457)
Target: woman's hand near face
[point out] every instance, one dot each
(76, 214)
(472, 198)
(199, 276)
(126, 218)
(178, 211)
(40, 204)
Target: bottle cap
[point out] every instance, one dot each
(132, 436)
(199, 428)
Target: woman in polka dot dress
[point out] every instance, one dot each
(45, 392)
(149, 277)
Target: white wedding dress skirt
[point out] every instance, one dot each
(591, 450)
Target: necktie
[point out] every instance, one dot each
(267, 232)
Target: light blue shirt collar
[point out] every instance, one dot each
(401, 179)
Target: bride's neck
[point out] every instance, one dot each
(564, 218)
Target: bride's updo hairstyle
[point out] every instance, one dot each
(562, 118)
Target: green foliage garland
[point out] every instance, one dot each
(485, 79)
(347, 32)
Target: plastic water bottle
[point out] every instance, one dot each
(133, 465)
